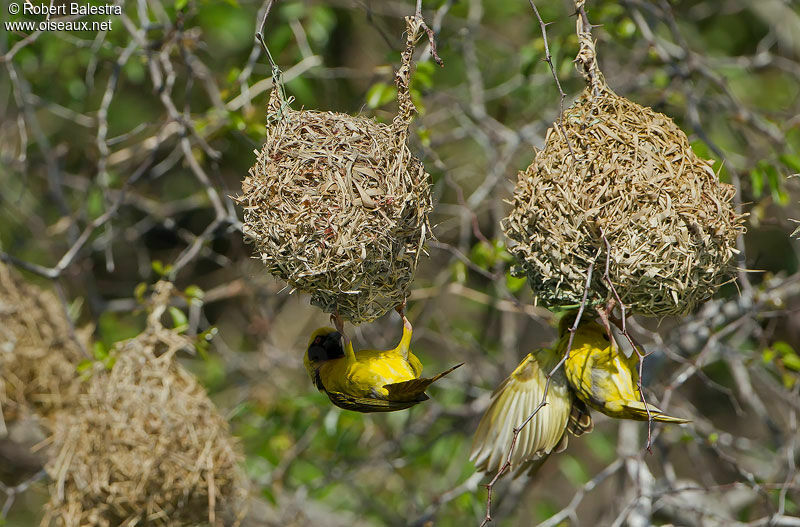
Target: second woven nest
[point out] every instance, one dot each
(144, 445)
(38, 351)
(626, 173)
(337, 205)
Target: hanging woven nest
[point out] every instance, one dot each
(144, 445)
(38, 351)
(336, 205)
(617, 172)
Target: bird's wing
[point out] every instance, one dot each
(368, 405)
(413, 389)
(512, 403)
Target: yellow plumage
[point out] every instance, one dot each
(605, 379)
(370, 380)
(516, 399)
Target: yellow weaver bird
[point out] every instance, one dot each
(516, 399)
(370, 380)
(604, 378)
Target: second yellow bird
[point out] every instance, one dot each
(604, 378)
(370, 380)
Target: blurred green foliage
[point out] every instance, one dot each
(723, 75)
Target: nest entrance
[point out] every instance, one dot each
(336, 205)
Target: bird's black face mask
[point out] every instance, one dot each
(326, 347)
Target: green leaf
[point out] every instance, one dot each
(379, 94)
(193, 292)
(767, 356)
(513, 283)
(626, 28)
(792, 362)
(459, 272)
(483, 255)
(139, 291)
(424, 136)
(99, 351)
(423, 75)
(757, 179)
(791, 161)
(179, 320)
(237, 121)
(180, 4)
(84, 365)
(109, 362)
(782, 348)
(775, 181)
(94, 203)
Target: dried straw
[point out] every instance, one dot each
(337, 205)
(143, 444)
(628, 173)
(38, 352)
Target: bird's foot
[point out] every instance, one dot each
(336, 320)
(401, 309)
(605, 315)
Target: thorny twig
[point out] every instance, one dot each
(624, 328)
(12, 492)
(549, 60)
(260, 37)
(507, 464)
(429, 32)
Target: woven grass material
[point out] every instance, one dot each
(144, 445)
(337, 205)
(628, 172)
(38, 352)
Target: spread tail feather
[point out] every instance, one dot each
(415, 388)
(638, 411)
(580, 419)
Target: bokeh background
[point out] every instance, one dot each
(119, 151)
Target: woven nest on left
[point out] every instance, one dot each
(144, 445)
(38, 351)
(337, 205)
